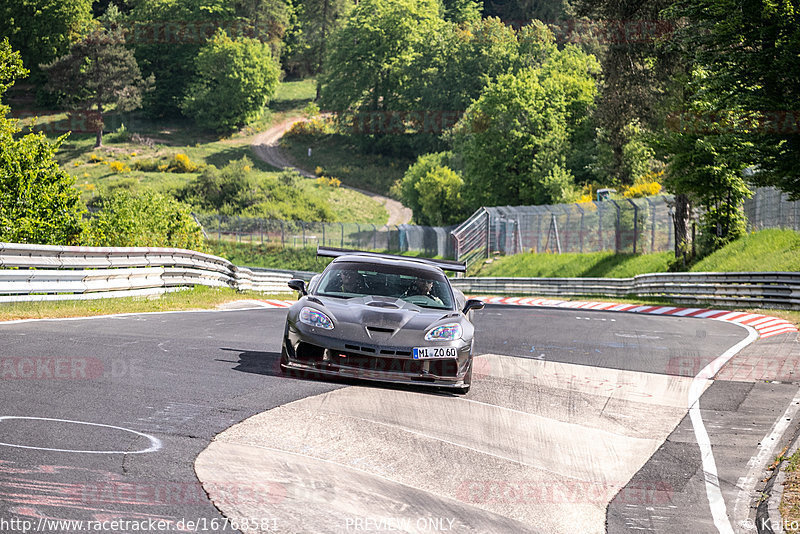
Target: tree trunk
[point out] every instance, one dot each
(99, 141)
(681, 222)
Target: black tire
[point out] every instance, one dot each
(463, 390)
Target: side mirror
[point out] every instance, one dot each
(473, 304)
(298, 285)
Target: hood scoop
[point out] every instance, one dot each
(386, 303)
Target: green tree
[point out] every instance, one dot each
(366, 69)
(234, 81)
(99, 72)
(640, 71)
(453, 63)
(406, 188)
(440, 197)
(316, 21)
(711, 174)
(143, 219)
(38, 203)
(751, 69)
(459, 11)
(42, 30)
(513, 142)
(166, 36)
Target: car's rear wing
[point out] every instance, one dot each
(445, 265)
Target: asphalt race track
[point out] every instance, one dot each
(103, 419)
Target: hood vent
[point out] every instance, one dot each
(382, 304)
(381, 330)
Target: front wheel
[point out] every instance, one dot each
(463, 390)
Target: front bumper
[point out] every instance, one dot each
(311, 352)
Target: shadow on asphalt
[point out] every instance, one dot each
(268, 364)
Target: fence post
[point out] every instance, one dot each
(488, 230)
(652, 224)
(358, 234)
(261, 230)
(580, 209)
(670, 229)
(374, 237)
(618, 229)
(219, 228)
(342, 226)
(283, 236)
(600, 246)
(538, 230)
(303, 226)
(635, 223)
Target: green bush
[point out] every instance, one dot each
(234, 80)
(432, 190)
(143, 219)
(238, 189)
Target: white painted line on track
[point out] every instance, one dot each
(155, 443)
(766, 448)
(713, 492)
(765, 325)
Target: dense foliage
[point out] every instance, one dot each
(233, 82)
(237, 189)
(142, 219)
(38, 203)
(97, 72)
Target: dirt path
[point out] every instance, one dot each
(266, 147)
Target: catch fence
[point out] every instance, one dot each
(631, 225)
(770, 208)
(429, 240)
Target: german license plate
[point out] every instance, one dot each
(430, 353)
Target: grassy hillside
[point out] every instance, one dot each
(143, 154)
(595, 264)
(767, 250)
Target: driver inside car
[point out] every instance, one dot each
(424, 287)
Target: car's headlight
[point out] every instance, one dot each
(313, 317)
(446, 332)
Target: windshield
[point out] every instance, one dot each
(423, 288)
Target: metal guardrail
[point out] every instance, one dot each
(757, 290)
(47, 272)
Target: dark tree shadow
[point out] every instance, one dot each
(286, 105)
(222, 157)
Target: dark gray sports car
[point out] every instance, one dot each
(382, 317)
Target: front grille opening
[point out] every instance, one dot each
(309, 352)
(379, 329)
(445, 368)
